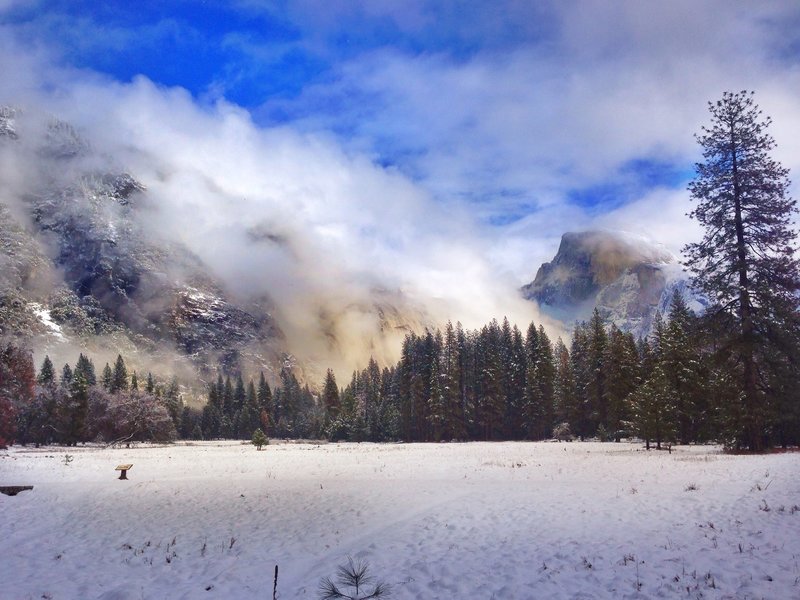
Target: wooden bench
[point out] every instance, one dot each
(124, 469)
(13, 490)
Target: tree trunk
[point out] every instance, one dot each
(752, 421)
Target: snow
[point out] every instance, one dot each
(646, 246)
(478, 520)
(44, 316)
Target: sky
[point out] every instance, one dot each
(438, 148)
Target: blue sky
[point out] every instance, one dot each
(531, 117)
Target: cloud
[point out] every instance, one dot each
(351, 252)
(576, 101)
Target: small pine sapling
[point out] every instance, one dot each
(259, 439)
(354, 578)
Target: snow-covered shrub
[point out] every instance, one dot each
(562, 432)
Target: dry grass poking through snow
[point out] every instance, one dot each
(504, 520)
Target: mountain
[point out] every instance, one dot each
(627, 278)
(86, 265)
(81, 270)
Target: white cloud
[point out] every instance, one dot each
(514, 131)
(334, 239)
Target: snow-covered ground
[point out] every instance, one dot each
(500, 520)
(47, 320)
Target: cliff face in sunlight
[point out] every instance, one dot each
(627, 278)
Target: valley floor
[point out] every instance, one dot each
(476, 520)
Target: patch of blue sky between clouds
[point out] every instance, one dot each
(633, 180)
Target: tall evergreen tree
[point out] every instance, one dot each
(582, 373)
(545, 379)
(655, 414)
(239, 395)
(437, 404)
(746, 260)
(227, 398)
(264, 396)
(66, 376)
(330, 395)
(173, 401)
(119, 381)
(533, 410)
(681, 362)
(567, 409)
(622, 378)
(76, 409)
(598, 342)
(85, 367)
(107, 377)
(47, 376)
(451, 382)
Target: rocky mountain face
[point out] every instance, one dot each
(83, 268)
(78, 267)
(627, 278)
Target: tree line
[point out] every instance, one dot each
(495, 383)
(76, 405)
(492, 383)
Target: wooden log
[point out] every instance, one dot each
(13, 490)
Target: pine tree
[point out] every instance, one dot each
(330, 396)
(227, 398)
(76, 410)
(681, 362)
(187, 423)
(119, 380)
(259, 439)
(150, 386)
(655, 414)
(135, 382)
(173, 401)
(108, 377)
(211, 421)
(515, 378)
(582, 374)
(532, 410)
(264, 393)
(239, 394)
(545, 380)
(746, 261)
(490, 396)
(264, 397)
(85, 367)
(451, 382)
(47, 376)
(598, 341)
(565, 394)
(622, 371)
(66, 376)
(437, 404)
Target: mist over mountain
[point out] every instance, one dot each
(628, 278)
(82, 268)
(112, 248)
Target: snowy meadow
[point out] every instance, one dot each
(477, 520)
